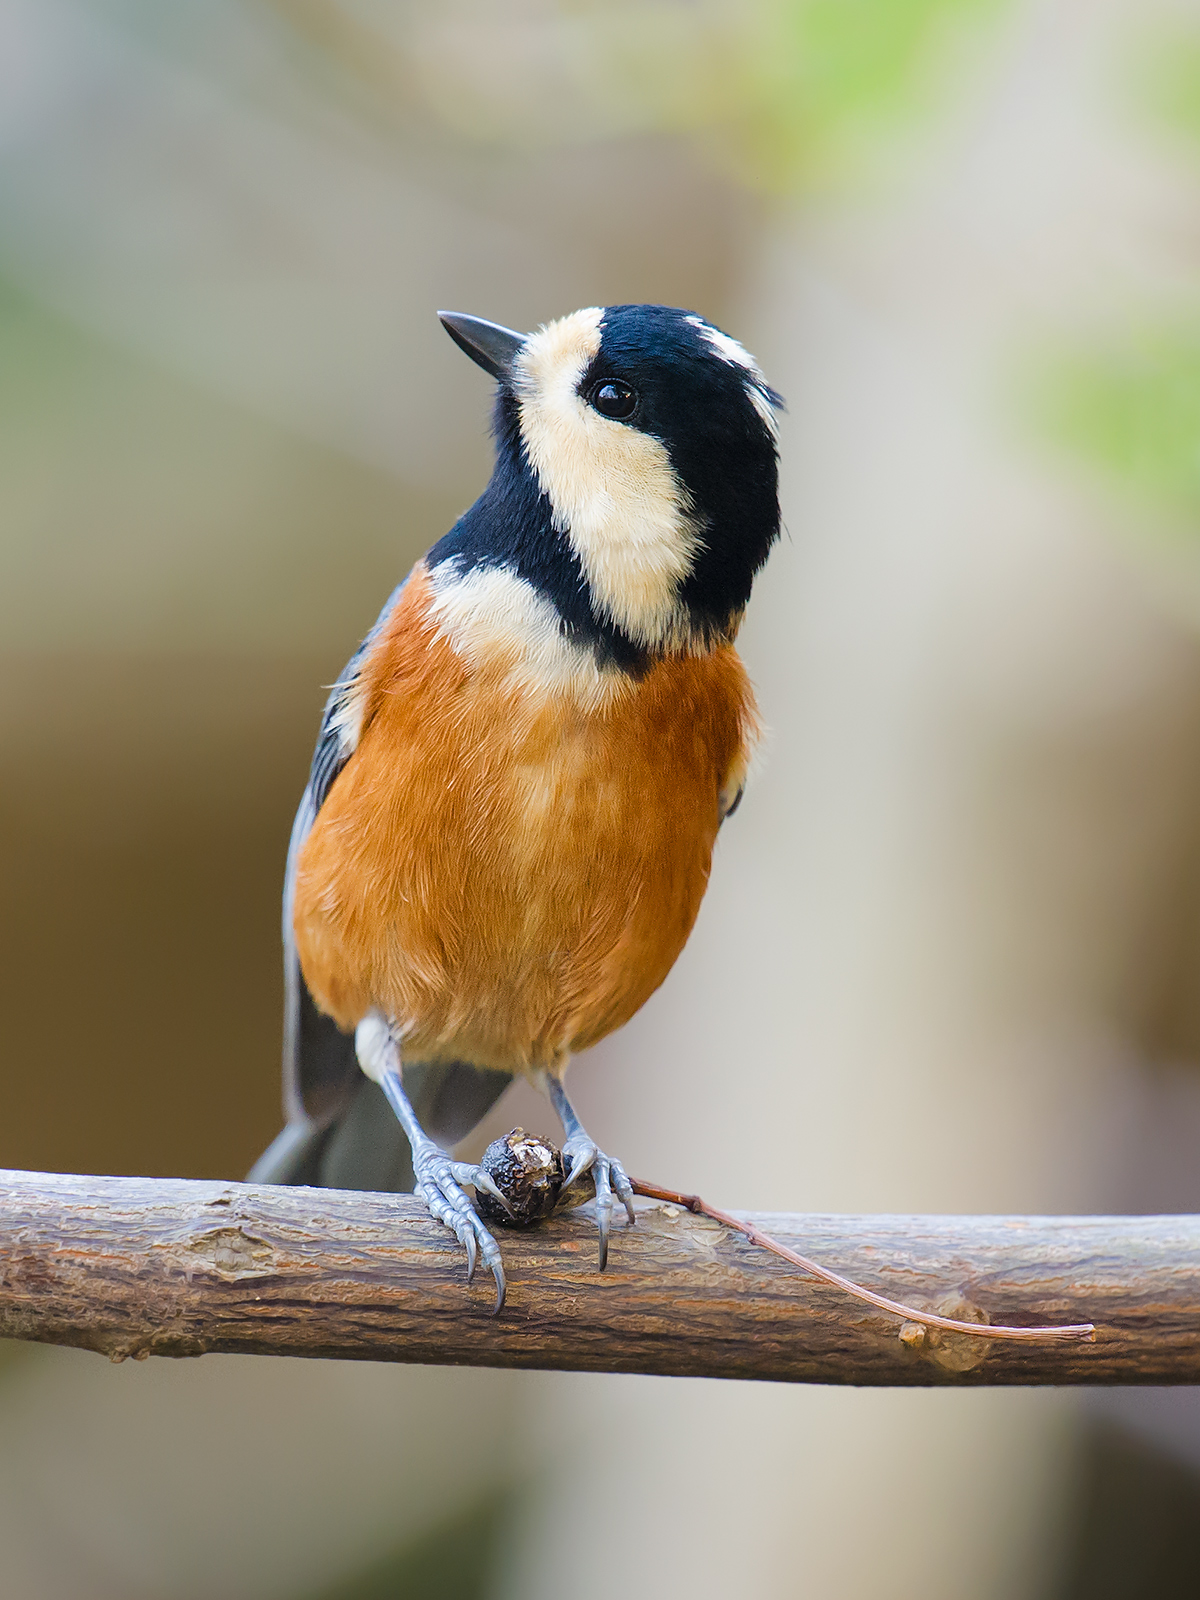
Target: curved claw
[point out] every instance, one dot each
(607, 1175)
(497, 1267)
(438, 1184)
(604, 1203)
(621, 1183)
(464, 1172)
(585, 1160)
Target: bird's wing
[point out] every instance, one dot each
(320, 1070)
(340, 1130)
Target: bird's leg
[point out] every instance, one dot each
(439, 1179)
(581, 1154)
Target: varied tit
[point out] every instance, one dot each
(509, 822)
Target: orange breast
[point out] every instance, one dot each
(507, 874)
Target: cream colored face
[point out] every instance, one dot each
(614, 493)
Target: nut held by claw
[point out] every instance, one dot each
(528, 1172)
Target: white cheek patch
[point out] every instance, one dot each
(613, 490)
(491, 617)
(737, 355)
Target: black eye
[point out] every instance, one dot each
(614, 399)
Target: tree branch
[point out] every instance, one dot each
(138, 1266)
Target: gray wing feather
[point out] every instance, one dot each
(320, 1070)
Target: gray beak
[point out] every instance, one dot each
(487, 343)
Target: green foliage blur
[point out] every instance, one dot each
(1130, 407)
(1133, 410)
(822, 79)
(781, 94)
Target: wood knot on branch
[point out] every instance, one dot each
(232, 1252)
(953, 1352)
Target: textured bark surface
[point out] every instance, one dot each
(137, 1267)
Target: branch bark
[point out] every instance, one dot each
(138, 1267)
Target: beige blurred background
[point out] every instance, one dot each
(950, 957)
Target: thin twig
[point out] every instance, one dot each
(1078, 1332)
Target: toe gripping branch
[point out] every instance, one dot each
(1077, 1332)
(439, 1183)
(581, 1155)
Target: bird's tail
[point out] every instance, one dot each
(364, 1147)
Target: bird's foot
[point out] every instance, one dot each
(439, 1183)
(581, 1155)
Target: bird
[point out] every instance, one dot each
(509, 821)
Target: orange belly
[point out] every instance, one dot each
(509, 874)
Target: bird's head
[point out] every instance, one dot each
(636, 475)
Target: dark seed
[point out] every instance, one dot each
(528, 1172)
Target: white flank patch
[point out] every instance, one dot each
(490, 617)
(613, 489)
(737, 355)
(347, 720)
(375, 1047)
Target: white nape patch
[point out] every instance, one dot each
(491, 617)
(728, 349)
(765, 409)
(613, 490)
(737, 355)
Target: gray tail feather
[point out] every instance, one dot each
(364, 1147)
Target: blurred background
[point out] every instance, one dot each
(950, 957)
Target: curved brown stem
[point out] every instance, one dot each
(1078, 1332)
